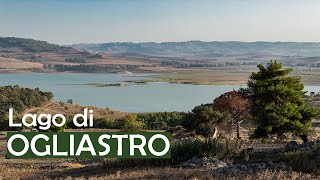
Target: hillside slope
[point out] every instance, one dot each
(19, 54)
(29, 45)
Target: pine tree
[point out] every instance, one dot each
(278, 106)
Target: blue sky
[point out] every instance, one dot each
(96, 21)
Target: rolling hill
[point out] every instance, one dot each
(29, 45)
(19, 54)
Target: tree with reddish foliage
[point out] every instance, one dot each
(235, 103)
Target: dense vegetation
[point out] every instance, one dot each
(161, 120)
(29, 44)
(138, 122)
(178, 64)
(130, 123)
(19, 98)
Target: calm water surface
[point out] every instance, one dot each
(152, 97)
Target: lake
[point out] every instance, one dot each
(152, 97)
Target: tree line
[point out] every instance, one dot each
(143, 121)
(96, 68)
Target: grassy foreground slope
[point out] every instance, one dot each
(66, 109)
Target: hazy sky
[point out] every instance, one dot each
(94, 21)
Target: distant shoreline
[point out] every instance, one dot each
(194, 77)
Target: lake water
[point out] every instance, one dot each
(152, 97)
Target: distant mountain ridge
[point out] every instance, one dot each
(198, 49)
(203, 49)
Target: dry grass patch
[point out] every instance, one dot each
(72, 109)
(12, 63)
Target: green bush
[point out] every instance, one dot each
(131, 124)
(54, 128)
(305, 161)
(203, 119)
(107, 124)
(161, 120)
